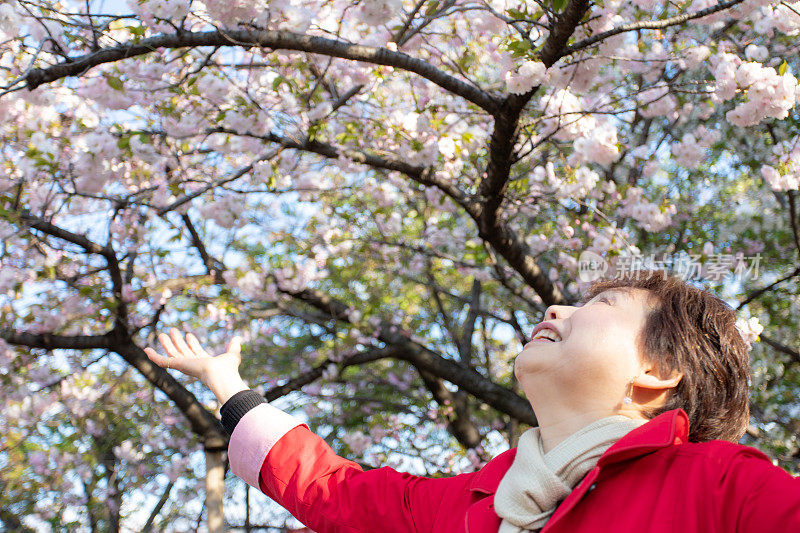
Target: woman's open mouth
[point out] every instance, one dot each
(546, 335)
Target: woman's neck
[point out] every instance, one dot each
(555, 428)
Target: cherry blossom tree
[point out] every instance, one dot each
(382, 197)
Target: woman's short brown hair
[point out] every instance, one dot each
(690, 330)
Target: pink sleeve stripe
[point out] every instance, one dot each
(253, 438)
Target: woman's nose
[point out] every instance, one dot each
(557, 311)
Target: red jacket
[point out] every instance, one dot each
(650, 481)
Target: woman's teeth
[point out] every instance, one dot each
(547, 334)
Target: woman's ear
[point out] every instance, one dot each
(651, 380)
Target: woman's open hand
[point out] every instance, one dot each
(219, 373)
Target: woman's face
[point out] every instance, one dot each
(591, 366)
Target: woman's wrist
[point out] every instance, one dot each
(224, 387)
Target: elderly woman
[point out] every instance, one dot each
(641, 394)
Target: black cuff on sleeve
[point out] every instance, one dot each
(237, 406)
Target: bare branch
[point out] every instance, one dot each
(213, 266)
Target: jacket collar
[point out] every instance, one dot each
(666, 429)
(488, 478)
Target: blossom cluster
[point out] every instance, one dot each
(749, 329)
(225, 211)
(786, 156)
(693, 147)
(377, 12)
(599, 146)
(565, 116)
(529, 75)
(767, 93)
(658, 101)
(578, 185)
(163, 9)
(650, 216)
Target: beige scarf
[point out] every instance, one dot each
(537, 481)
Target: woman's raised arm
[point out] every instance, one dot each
(278, 454)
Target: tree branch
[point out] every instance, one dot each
(793, 220)
(148, 526)
(465, 346)
(213, 266)
(519, 257)
(235, 176)
(459, 424)
(60, 233)
(277, 40)
(502, 239)
(491, 190)
(650, 25)
(755, 294)
(48, 341)
(424, 359)
(788, 350)
(90, 247)
(355, 358)
(203, 423)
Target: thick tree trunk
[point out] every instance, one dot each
(215, 487)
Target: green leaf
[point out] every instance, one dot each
(432, 7)
(782, 68)
(558, 5)
(123, 142)
(519, 48)
(114, 82)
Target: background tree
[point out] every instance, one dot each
(382, 197)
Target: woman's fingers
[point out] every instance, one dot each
(191, 366)
(195, 345)
(156, 357)
(188, 356)
(169, 347)
(180, 344)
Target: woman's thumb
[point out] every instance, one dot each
(235, 346)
